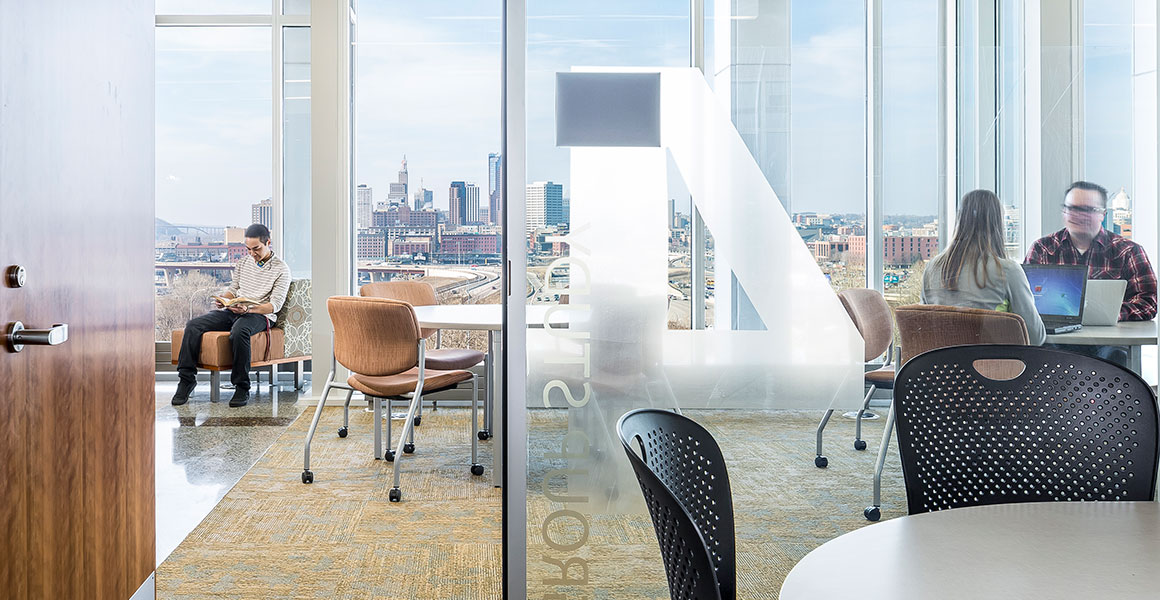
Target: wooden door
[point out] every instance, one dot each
(76, 211)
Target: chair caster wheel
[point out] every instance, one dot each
(408, 448)
(477, 469)
(859, 444)
(390, 456)
(342, 432)
(307, 477)
(396, 495)
(418, 421)
(872, 513)
(821, 462)
(482, 435)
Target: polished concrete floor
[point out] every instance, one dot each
(204, 448)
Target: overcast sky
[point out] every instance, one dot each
(428, 86)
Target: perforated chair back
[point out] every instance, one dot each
(923, 327)
(685, 484)
(1068, 427)
(871, 316)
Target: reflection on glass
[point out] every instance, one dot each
(214, 168)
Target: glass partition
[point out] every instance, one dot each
(621, 135)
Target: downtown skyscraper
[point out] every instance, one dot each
(362, 206)
(398, 193)
(457, 204)
(494, 180)
(545, 205)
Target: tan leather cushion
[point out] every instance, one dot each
(448, 359)
(404, 383)
(215, 347)
(878, 376)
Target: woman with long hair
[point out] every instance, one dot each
(974, 270)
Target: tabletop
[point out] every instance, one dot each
(1053, 550)
(481, 316)
(1124, 333)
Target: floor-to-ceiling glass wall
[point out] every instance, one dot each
(626, 141)
(233, 149)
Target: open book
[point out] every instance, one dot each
(227, 302)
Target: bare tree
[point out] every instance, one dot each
(189, 296)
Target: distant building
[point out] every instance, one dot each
(473, 203)
(424, 198)
(398, 191)
(457, 204)
(545, 205)
(494, 180)
(263, 212)
(362, 205)
(409, 246)
(905, 250)
(371, 245)
(460, 244)
(1120, 213)
(235, 235)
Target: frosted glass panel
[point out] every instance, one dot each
(617, 353)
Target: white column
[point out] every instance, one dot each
(874, 240)
(514, 336)
(330, 131)
(948, 106)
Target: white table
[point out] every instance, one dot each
(1050, 550)
(1133, 334)
(489, 318)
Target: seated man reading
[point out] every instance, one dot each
(1084, 241)
(260, 277)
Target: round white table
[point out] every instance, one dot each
(1049, 550)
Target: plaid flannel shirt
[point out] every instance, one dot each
(1109, 257)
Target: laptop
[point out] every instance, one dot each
(1102, 301)
(1059, 293)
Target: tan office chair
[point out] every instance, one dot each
(379, 341)
(421, 293)
(927, 327)
(871, 316)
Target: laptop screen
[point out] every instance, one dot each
(1058, 289)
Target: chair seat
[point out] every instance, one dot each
(404, 383)
(450, 359)
(882, 378)
(215, 347)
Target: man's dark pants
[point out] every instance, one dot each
(241, 327)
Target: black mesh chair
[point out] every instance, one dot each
(686, 487)
(1053, 426)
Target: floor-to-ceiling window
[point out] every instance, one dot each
(427, 157)
(233, 144)
(232, 149)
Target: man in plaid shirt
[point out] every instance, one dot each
(1084, 241)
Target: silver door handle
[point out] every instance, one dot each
(18, 336)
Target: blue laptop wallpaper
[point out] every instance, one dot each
(1057, 291)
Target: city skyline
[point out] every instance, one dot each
(214, 122)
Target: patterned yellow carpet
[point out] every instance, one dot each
(273, 537)
(340, 537)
